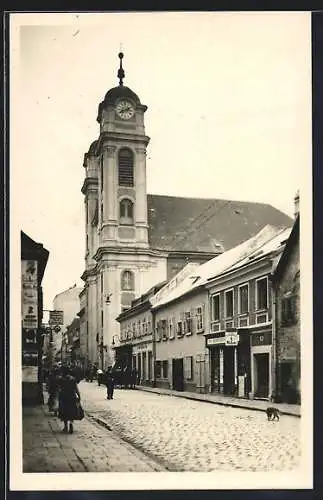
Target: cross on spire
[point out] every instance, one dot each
(121, 70)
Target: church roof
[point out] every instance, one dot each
(207, 225)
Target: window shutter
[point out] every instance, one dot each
(203, 316)
(193, 324)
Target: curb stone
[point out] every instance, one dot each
(150, 460)
(222, 403)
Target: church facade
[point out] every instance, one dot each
(135, 240)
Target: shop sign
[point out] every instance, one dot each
(231, 338)
(56, 317)
(29, 358)
(215, 341)
(29, 272)
(261, 338)
(29, 295)
(141, 347)
(29, 316)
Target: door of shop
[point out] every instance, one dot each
(228, 370)
(178, 375)
(262, 373)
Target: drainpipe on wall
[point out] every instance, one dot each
(154, 346)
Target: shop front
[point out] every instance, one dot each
(230, 363)
(142, 362)
(240, 362)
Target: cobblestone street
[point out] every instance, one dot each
(188, 435)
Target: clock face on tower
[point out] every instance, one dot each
(125, 110)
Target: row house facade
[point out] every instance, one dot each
(181, 356)
(240, 335)
(213, 329)
(134, 347)
(216, 335)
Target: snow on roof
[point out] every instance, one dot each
(267, 240)
(276, 243)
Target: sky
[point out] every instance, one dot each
(229, 113)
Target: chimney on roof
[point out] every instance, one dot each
(296, 204)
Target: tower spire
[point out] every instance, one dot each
(120, 70)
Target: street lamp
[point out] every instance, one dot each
(107, 298)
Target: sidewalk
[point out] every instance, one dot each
(90, 449)
(250, 404)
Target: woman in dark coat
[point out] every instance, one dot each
(68, 398)
(52, 387)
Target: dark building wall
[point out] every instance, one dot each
(288, 329)
(32, 351)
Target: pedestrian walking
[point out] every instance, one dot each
(99, 376)
(110, 384)
(53, 388)
(69, 401)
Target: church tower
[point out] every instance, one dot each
(118, 258)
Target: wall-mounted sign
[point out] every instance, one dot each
(141, 347)
(231, 338)
(215, 341)
(56, 317)
(261, 338)
(29, 336)
(30, 316)
(29, 294)
(29, 358)
(29, 271)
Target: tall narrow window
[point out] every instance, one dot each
(125, 163)
(126, 212)
(262, 294)
(127, 281)
(243, 299)
(215, 311)
(229, 304)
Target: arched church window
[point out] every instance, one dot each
(125, 164)
(127, 281)
(126, 212)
